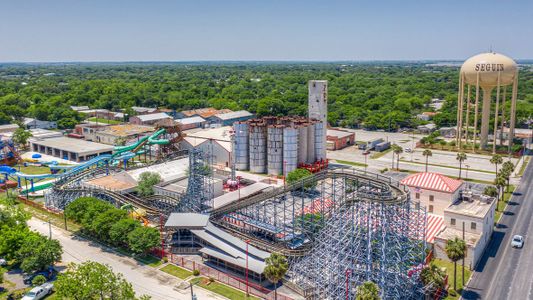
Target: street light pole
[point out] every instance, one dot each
(247, 283)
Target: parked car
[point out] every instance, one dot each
(39, 292)
(3, 262)
(48, 274)
(518, 241)
(408, 150)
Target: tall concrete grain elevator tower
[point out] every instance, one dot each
(318, 109)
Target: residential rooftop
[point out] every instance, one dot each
(125, 130)
(234, 115)
(152, 117)
(478, 207)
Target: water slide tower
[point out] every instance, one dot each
(492, 72)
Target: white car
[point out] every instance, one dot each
(518, 241)
(3, 262)
(408, 150)
(39, 292)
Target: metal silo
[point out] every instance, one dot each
(241, 149)
(290, 149)
(311, 155)
(275, 149)
(258, 148)
(302, 143)
(320, 146)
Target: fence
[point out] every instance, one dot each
(238, 283)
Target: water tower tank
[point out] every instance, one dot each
(488, 65)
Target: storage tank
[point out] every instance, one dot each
(241, 149)
(290, 149)
(258, 148)
(275, 149)
(320, 146)
(311, 155)
(302, 143)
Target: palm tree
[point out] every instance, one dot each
(276, 267)
(508, 168)
(461, 156)
(442, 144)
(367, 291)
(496, 160)
(433, 278)
(455, 250)
(427, 153)
(398, 150)
(500, 182)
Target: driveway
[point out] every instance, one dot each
(145, 279)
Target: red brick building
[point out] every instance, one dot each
(338, 139)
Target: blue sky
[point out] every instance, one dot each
(120, 30)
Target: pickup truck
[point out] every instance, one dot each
(38, 293)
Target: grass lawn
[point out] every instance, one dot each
(33, 169)
(150, 260)
(523, 167)
(445, 166)
(56, 220)
(501, 204)
(105, 121)
(380, 154)
(221, 289)
(449, 270)
(357, 164)
(176, 271)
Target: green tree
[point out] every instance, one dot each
(275, 270)
(21, 136)
(397, 150)
(38, 252)
(427, 153)
(120, 141)
(461, 157)
(102, 224)
(92, 281)
(76, 209)
(500, 182)
(433, 278)
(490, 191)
(496, 160)
(367, 291)
(119, 232)
(508, 168)
(298, 175)
(142, 239)
(442, 144)
(38, 280)
(147, 180)
(455, 250)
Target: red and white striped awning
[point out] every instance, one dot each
(432, 181)
(434, 225)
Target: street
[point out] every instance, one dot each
(145, 280)
(504, 272)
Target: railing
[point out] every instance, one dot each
(235, 282)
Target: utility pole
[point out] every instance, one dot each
(49, 229)
(463, 277)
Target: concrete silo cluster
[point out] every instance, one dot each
(278, 145)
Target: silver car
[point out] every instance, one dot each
(518, 241)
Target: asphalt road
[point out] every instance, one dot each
(144, 279)
(505, 272)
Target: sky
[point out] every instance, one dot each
(327, 30)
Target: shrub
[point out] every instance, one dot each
(490, 191)
(196, 272)
(38, 280)
(452, 292)
(165, 259)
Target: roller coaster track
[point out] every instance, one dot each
(392, 193)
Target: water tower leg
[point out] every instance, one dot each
(485, 118)
(496, 115)
(476, 106)
(513, 112)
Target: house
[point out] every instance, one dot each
(228, 118)
(448, 132)
(338, 139)
(98, 113)
(152, 119)
(191, 122)
(428, 128)
(30, 123)
(432, 190)
(471, 216)
(79, 108)
(88, 130)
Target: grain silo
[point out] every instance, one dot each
(241, 146)
(257, 147)
(275, 149)
(290, 149)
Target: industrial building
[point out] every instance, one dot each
(434, 191)
(227, 119)
(31, 123)
(338, 139)
(205, 113)
(110, 134)
(474, 214)
(278, 145)
(152, 119)
(70, 149)
(191, 122)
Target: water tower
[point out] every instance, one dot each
(488, 71)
